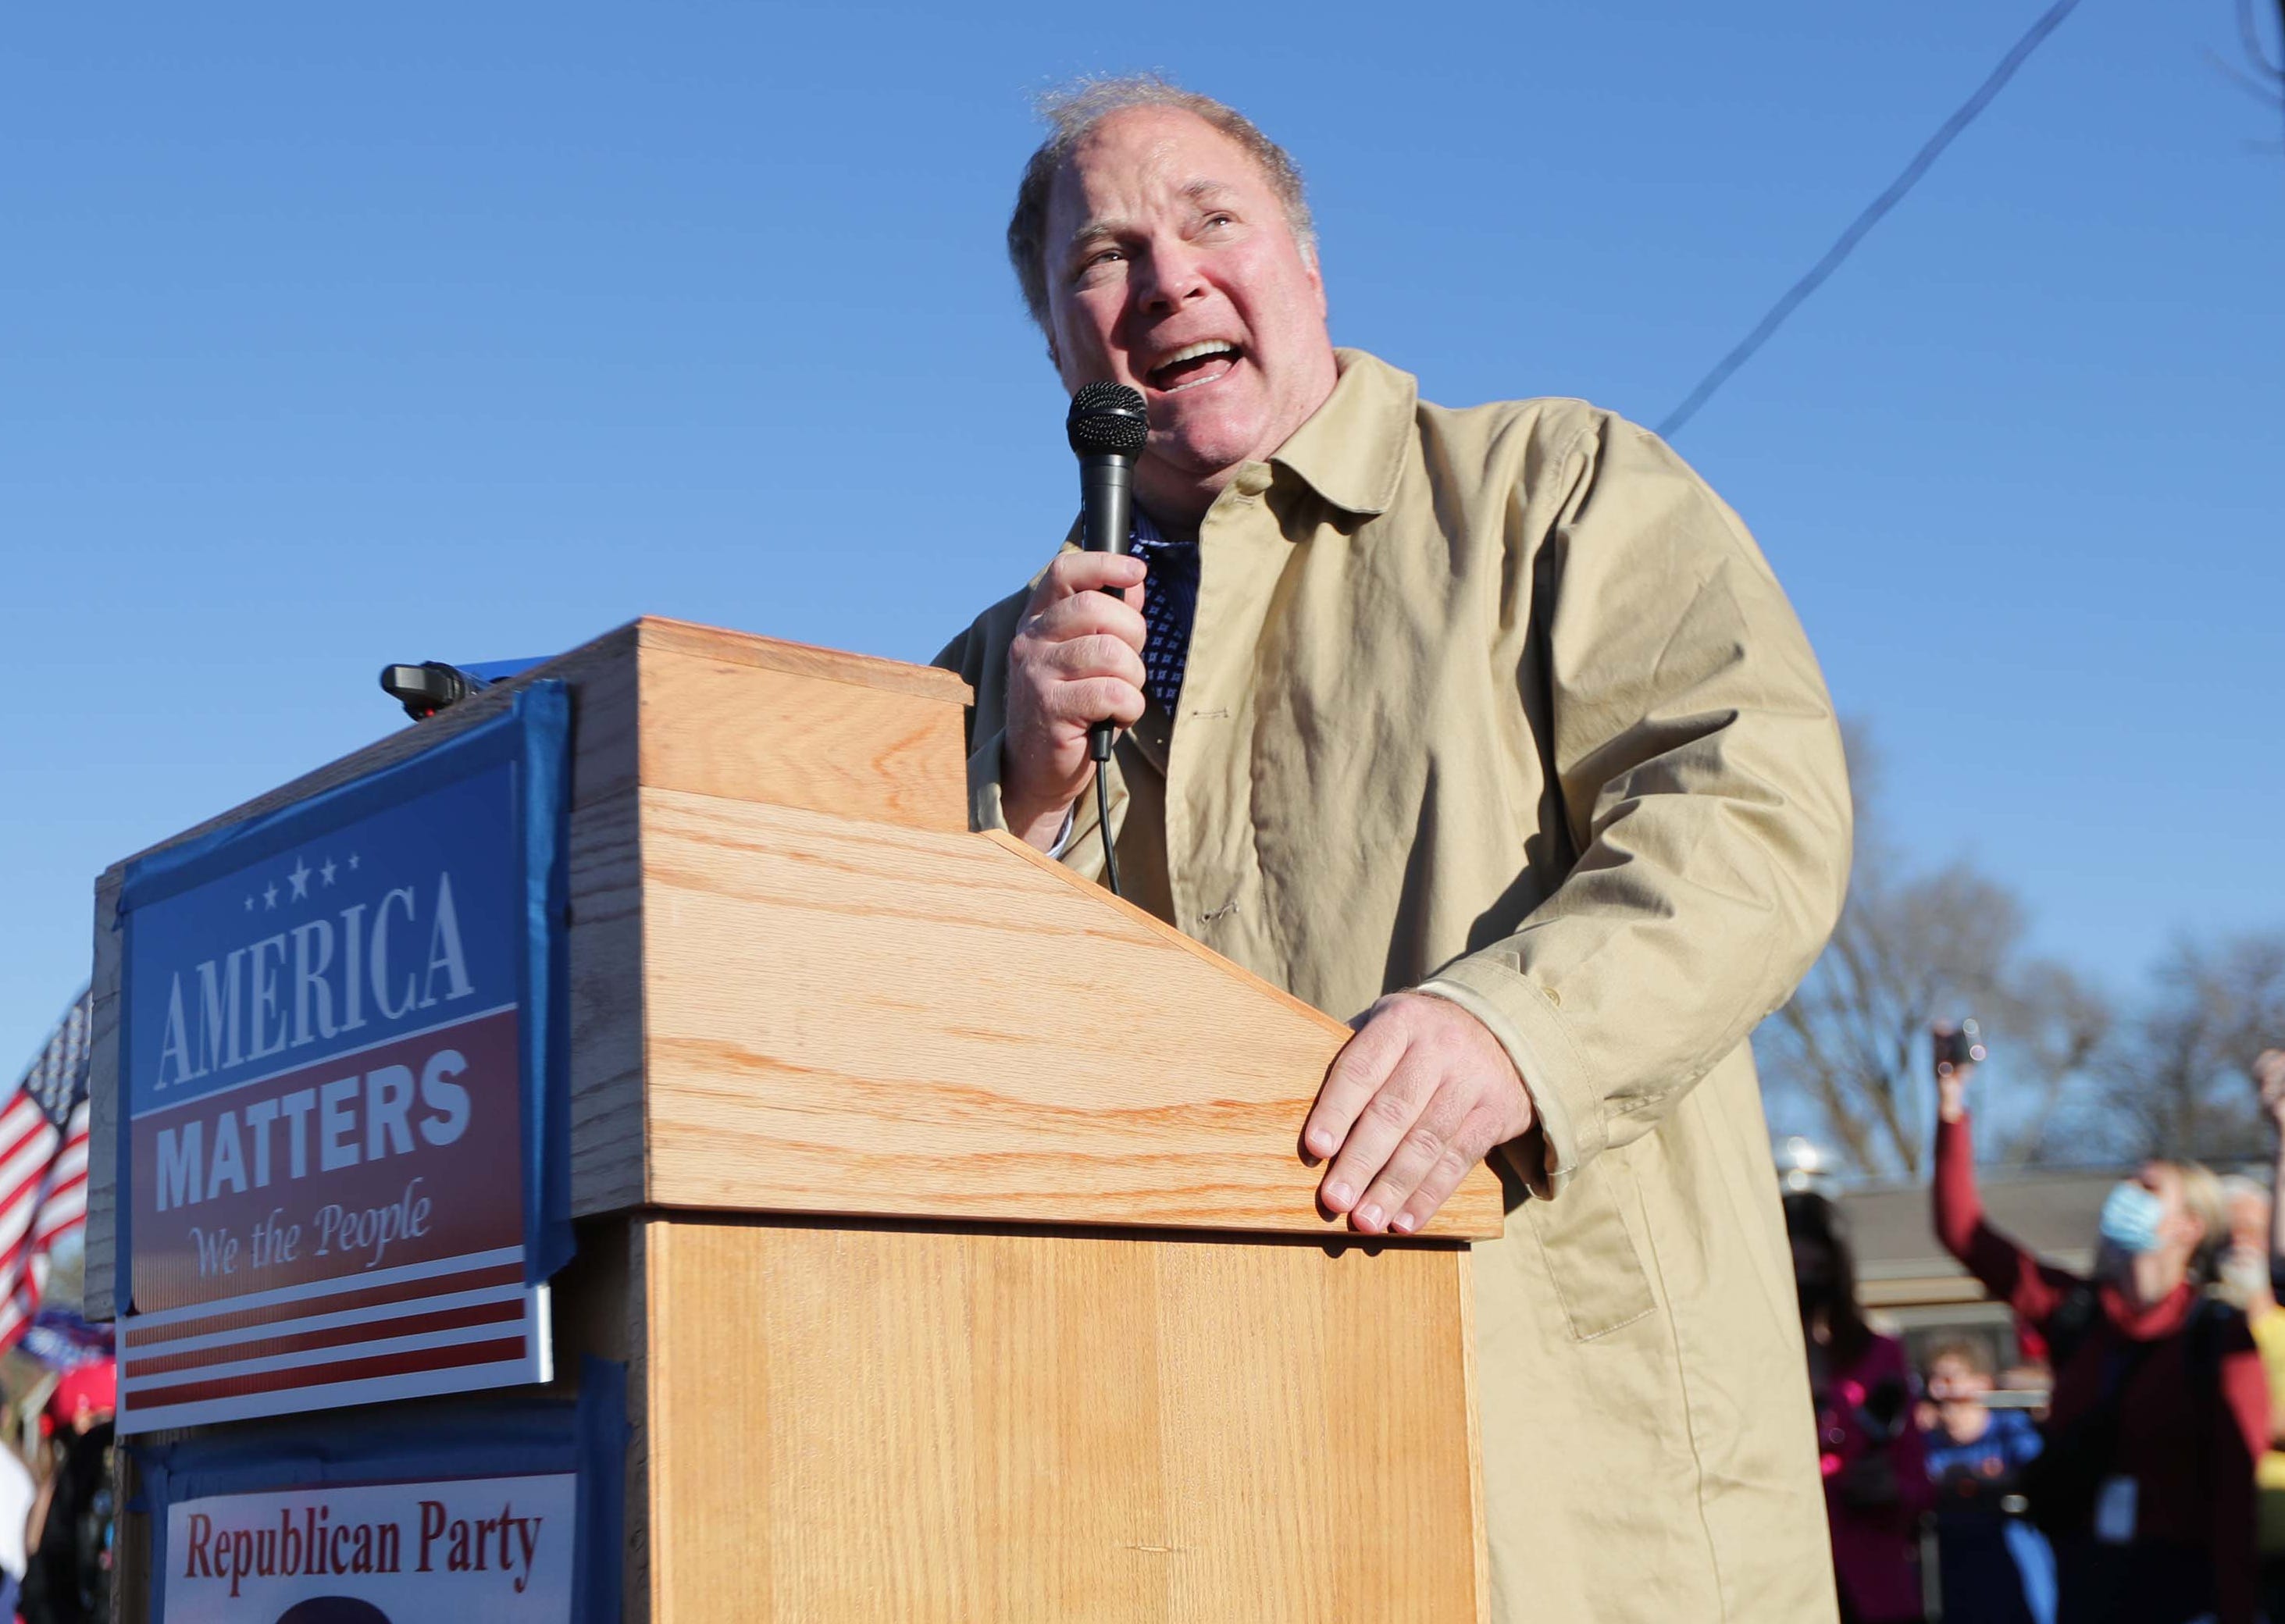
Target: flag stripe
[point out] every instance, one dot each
(144, 1368)
(510, 1291)
(419, 1384)
(43, 1135)
(140, 1333)
(501, 1351)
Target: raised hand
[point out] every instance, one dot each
(1951, 1078)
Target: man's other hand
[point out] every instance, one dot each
(1420, 1095)
(1077, 659)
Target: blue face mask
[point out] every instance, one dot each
(2130, 1217)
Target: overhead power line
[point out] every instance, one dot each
(1879, 206)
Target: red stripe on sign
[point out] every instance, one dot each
(499, 1352)
(339, 1336)
(302, 1308)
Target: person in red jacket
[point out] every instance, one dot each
(2160, 1406)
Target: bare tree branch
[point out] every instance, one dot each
(2061, 1026)
(2072, 1077)
(2179, 1082)
(1909, 947)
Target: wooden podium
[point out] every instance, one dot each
(946, 1211)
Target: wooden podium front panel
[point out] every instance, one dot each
(869, 1423)
(843, 1016)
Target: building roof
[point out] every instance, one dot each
(1899, 1262)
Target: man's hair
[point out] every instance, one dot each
(1072, 112)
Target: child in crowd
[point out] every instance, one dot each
(1996, 1568)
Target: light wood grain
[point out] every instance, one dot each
(1464, 1264)
(845, 1017)
(720, 726)
(797, 984)
(861, 1424)
(801, 659)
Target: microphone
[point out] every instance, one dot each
(1107, 426)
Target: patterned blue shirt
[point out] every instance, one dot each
(1170, 601)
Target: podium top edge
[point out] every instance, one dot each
(803, 659)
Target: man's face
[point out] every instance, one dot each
(1171, 269)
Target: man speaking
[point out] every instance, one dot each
(1494, 724)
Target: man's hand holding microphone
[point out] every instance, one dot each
(1077, 659)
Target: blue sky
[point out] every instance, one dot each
(331, 336)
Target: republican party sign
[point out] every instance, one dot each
(495, 1548)
(337, 1184)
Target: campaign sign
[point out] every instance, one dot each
(515, 1512)
(495, 1548)
(335, 1049)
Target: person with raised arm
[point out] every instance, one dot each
(2160, 1408)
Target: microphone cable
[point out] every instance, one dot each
(1101, 750)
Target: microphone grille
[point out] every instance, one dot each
(1107, 417)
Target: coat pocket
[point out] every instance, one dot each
(1591, 1257)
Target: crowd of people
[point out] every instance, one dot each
(57, 1513)
(2148, 1488)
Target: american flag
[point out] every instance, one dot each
(43, 1166)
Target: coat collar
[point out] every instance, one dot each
(1352, 449)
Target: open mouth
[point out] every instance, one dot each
(1193, 364)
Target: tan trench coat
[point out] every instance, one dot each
(1504, 703)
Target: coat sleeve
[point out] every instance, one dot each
(967, 657)
(1688, 729)
(2010, 1273)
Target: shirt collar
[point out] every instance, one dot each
(1352, 449)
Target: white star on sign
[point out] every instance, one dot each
(250, 904)
(269, 895)
(301, 878)
(325, 872)
(353, 862)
